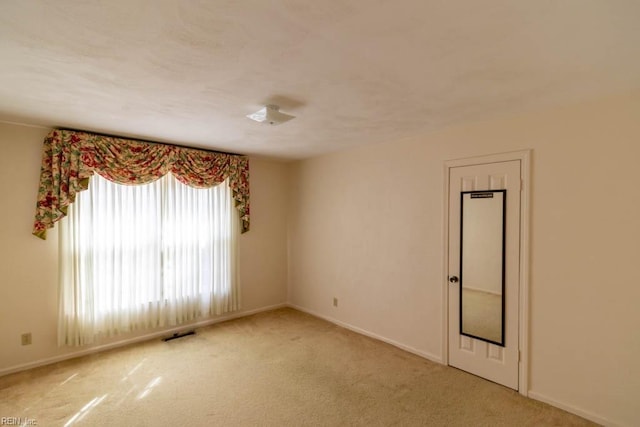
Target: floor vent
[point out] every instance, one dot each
(178, 335)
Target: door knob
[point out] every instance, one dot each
(453, 279)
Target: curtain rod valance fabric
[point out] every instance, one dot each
(70, 158)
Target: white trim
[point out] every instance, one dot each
(138, 339)
(574, 410)
(524, 156)
(28, 125)
(525, 203)
(360, 331)
(445, 266)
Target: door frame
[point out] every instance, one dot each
(524, 156)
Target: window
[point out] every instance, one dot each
(145, 256)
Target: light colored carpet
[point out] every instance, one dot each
(482, 314)
(276, 368)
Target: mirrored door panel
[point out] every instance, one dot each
(482, 251)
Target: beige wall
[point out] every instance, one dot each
(366, 227)
(28, 266)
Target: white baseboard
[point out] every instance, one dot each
(361, 331)
(141, 338)
(574, 410)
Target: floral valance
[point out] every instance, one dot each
(70, 158)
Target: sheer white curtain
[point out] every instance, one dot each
(145, 256)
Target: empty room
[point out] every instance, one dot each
(288, 212)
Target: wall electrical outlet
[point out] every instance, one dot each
(335, 301)
(26, 338)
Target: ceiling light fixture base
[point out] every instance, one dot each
(270, 115)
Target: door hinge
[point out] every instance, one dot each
(521, 184)
(519, 356)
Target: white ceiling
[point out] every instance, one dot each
(352, 71)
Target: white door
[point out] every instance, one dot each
(485, 304)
